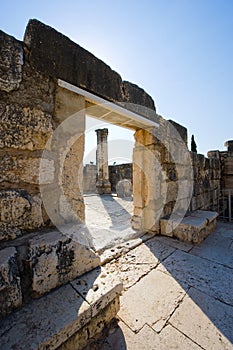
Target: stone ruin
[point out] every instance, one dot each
(47, 85)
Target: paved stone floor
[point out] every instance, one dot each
(176, 295)
(108, 220)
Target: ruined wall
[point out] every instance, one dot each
(207, 181)
(26, 123)
(37, 180)
(168, 178)
(41, 152)
(225, 158)
(120, 172)
(57, 56)
(89, 178)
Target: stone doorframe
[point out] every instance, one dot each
(63, 198)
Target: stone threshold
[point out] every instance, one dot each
(72, 314)
(192, 228)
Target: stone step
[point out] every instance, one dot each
(66, 318)
(192, 228)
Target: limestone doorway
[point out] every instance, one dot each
(117, 115)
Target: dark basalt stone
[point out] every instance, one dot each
(56, 55)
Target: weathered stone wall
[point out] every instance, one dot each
(57, 56)
(225, 158)
(120, 172)
(227, 166)
(168, 179)
(206, 188)
(40, 182)
(41, 151)
(161, 174)
(26, 123)
(89, 178)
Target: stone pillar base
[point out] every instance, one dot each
(103, 188)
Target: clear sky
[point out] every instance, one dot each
(179, 51)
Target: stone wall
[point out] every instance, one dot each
(206, 188)
(41, 152)
(226, 162)
(89, 178)
(120, 172)
(26, 123)
(168, 178)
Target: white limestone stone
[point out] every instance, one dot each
(45, 323)
(205, 320)
(138, 262)
(211, 278)
(98, 288)
(151, 301)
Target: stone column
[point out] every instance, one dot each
(103, 185)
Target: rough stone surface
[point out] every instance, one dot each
(124, 188)
(151, 301)
(193, 228)
(138, 262)
(51, 53)
(10, 289)
(25, 169)
(45, 323)
(119, 172)
(211, 325)
(24, 128)
(95, 328)
(56, 259)
(19, 211)
(11, 62)
(98, 288)
(89, 178)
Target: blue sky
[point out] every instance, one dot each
(179, 51)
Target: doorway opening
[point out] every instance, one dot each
(109, 201)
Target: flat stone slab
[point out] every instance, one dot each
(211, 325)
(193, 228)
(98, 288)
(217, 247)
(209, 277)
(148, 339)
(48, 322)
(131, 266)
(108, 221)
(151, 301)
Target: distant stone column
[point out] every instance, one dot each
(103, 185)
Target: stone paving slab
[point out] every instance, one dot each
(147, 339)
(151, 301)
(217, 247)
(108, 220)
(48, 321)
(205, 320)
(98, 288)
(175, 243)
(138, 262)
(209, 277)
